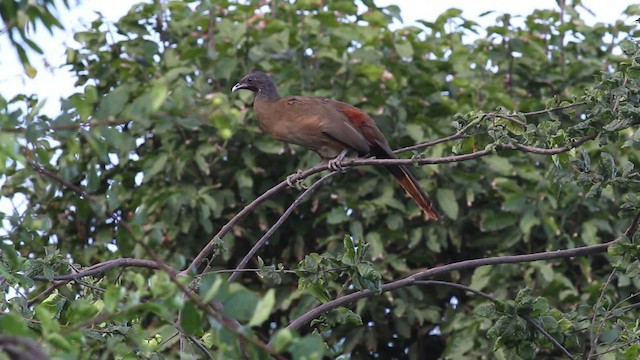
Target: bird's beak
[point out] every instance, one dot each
(237, 86)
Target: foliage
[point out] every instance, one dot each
(123, 187)
(18, 16)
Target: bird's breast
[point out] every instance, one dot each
(302, 130)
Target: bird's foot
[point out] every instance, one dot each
(336, 164)
(298, 183)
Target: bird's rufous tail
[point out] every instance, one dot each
(410, 185)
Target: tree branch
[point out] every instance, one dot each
(277, 225)
(105, 266)
(204, 253)
(527, 318)
(72, 126)
(230, 324)
(461, 265)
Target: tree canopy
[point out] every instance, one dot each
(152, 217)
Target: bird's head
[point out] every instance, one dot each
(257, 82)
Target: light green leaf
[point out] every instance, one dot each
(404, 49)
(481, 277)
(263, 308)
(447, 201)
(281, 339)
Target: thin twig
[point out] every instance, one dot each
(204, 253)
(548, 336)
(72, 126)
(277, 225)
(626, 343)
(539, 112)
(461, 133)
(105, 266)
(594, 336)
(527, 318)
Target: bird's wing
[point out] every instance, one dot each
(333, 121)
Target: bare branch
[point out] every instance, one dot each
(204, 253)
(461, 265)
(72, 126)
(569, 106)
(548, 336)
(100, 268)
(277, 225)
(593, 337)
(461, 133)
(17, 347)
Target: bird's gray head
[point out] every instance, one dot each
(258, 82)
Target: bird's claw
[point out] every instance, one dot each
(336, 165)
(298, 183)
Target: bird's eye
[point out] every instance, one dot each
(250, 80)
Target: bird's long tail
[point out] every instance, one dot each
(410, 185)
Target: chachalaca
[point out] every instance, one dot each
(331, 128)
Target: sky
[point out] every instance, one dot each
(53, 81)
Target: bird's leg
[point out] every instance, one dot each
(336, 164)
(298, 183)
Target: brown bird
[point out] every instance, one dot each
(331, 128)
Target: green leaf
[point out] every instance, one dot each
(416, 132)
(154, 165)
(241, 303)
(190, 318)
(59, 341)
(81, 310)
(404, 49)
(447, 202)
(268, 146)
(210, 286)
(608, 167)
(481, 277)
(112, 297)
(311, 347)
(158, 95)
(349, 256)
(14, 325)
(528, 221)
(47, 321)
(319, 292)
(281, 339)
(113, 103)
(485, 310)
(610, 336)
(263, 308)
(347, 316)
(499, 164)
(493, 221)
(632, 353)
(511, 126)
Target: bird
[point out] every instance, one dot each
(331, 128)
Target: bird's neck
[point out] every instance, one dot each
(268, 93)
